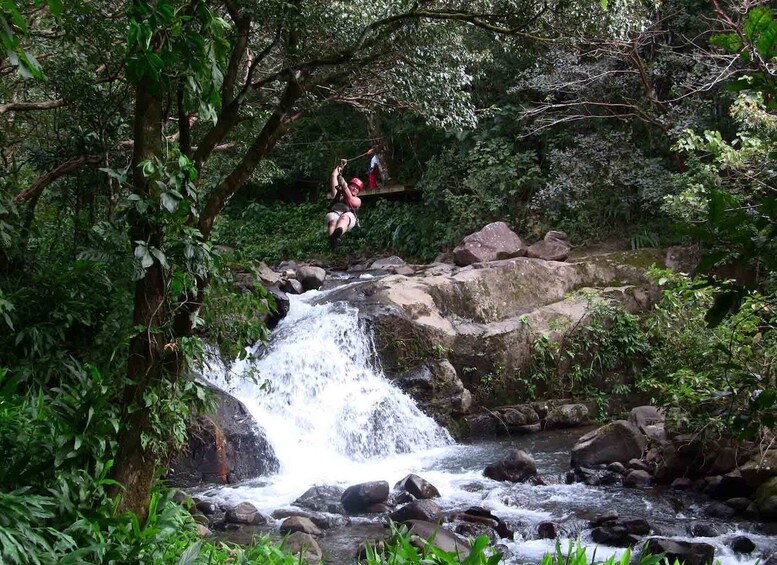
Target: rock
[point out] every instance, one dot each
(677, 459)
(616, 467)
(502, 528)
(491, 522)
(225, 447)
(300, 524)
(555, 247)
(482, 425)
(322, 499)
(686, 552)
(203, 531)
(201, 519)
(293, 286)
(206, 507)
(311, 277)
(739, 504)
(605, 517)
(437, 388)
(358, 498)
(267, 275)
(760, 468)
(280, 309)
(771, 560)
(609, 478)
(547, 530)
(494, 241)
(724, 461)
(618, 441)
(440, 538)
(703, 531)
(741, 544)
(636, 478)
(719, 510)
(567, 416)
(683, 483)
(418, 487)
(378, 508)
(637, 526)
(638, 464)
(516, 419)
(751, 512)
(384, 263)
(615, 536)
(730, 485)
(518, 467)
(426, 510)
(683, 258)
(304, 545)
(766, 499)
(473, 531)
(245, 513)
(643, 416)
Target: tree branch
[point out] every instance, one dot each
(67, 167)
(27, 106)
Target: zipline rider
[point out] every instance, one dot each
(342, 214)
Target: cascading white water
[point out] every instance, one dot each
(323, 403)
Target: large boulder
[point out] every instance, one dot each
(225, 447)
(322, 499)
(359, 498)
(517, 467)
(440, 538)
(554, 247)
(386, 262)
(437, 388)
(761, 468)
(643, 416)
(245, 513)
(279, 307)
(418, 487)
(311, 277)
(618, 441)
(766, 499)
(426, 510)
(304, 545)
(494, 241)
(567, 416)
(685, 552)
(300, 524)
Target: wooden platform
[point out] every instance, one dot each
(389, 189)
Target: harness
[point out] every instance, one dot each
(338, 203)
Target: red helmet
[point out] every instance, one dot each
(358, 182)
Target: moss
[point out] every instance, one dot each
(641, 258)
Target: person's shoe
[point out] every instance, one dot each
(334, 239)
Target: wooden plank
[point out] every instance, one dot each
(390, 189)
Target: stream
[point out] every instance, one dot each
(334, 419)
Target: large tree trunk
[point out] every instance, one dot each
(135, 467)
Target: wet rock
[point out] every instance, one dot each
(322, 520)
(616, 467)
(739, 504)
(724, 461)
(719, 510)
(687, 553)
(206, 507)
(638, 464)
(741, 544)
(386, 262)
(678, 459)
(504, 529)
(618, 441)
(518, 467)
(245, 513)
(609, 478)
(616, 536)
(637, 526)
(703, 531)
(300, 524)
(760, 468)
(378, 508)
(474, 531)
(637, 478)
(751, 512)
(224, 447)
(605, 517)
(201, 518)
(643, 416)
(440, 537)
(547, 530)
(766, 499)
(358, 498)
(555, 247)
(398, 498)
(203, 531)
(516, 418)
(418, 487)
(567, 416)
(279, 307)
(683, 483)
(731, 485)
(293, 286)
(770, 560)
(425, 510)
(475, 519)
(322, 499)
(310, 277)
(494, 241)
(304, 545)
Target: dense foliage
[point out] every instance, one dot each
(145, 145)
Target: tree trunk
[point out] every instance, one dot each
(135, 467)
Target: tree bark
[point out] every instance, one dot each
(135, 466)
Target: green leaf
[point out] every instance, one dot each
(169, 201)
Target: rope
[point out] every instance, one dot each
(331, 142)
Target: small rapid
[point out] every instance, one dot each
(333, 418)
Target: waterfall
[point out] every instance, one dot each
(322, 399)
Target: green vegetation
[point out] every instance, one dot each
(136, 136)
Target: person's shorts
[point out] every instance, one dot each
(334, 216)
